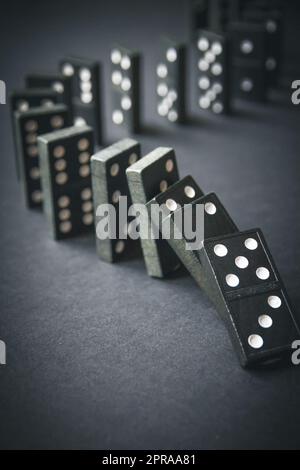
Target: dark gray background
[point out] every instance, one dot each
(102, 356)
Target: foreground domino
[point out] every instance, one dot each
(243, 282)
(66, 181)
(239, 275)
(28, 126)
(109, 182)
(148, 177)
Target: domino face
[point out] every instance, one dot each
(109, 182)
(85, 77)
(273, 24)
(249, 60)
(23, 100)
(215, 220)
(213, 79)
(125, 87)
(250, 296)
(170, 89)
(66, 181)
(148, 177)
(58, 83)
(28, 126)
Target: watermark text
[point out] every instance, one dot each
(296, 94)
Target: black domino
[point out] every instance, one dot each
(238, 273)
(109, 182)
(242, 280)
(66, 180)
(249, 55)
(28, 126)
(213, 72)
(23, 100)
(170, 84)
(60, 84)
(125, 89)
(148, 177)
(273, 24)
(86, 92)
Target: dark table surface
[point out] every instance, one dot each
(102, 356)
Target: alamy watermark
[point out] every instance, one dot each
(295, 97)
(296, 353)
(2, 353)
(152, 223)
(2, 92)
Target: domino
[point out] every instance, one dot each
(199, 16)
(66, 180)
(28, 126)
(213, 80)
(221, 13)
(171, 86)
(174, 198)
(179, 205)
(86, 100)
(22, 100)
(109, 182)
(273, 24)
(244, 284)
(58, 83)
(125, 88)
(248, 42)
(237, 272)
(149, 176)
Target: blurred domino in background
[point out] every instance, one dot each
(125, 89)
